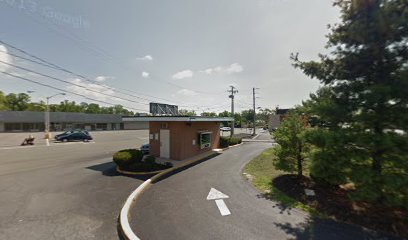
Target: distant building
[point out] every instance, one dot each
(277, 118)
(27, 121)
(135, 123)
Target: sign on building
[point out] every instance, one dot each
(163, 109)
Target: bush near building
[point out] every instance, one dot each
(132, 160)
(229, 141)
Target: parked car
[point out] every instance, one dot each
(72, 131)
(225, 129)
(145, 148)
(73, 136)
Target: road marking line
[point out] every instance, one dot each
(222, 207)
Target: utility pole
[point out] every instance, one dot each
(47, 118)
(253, 96)
(232, 91)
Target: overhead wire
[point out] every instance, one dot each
(67, 91)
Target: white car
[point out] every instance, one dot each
(225, 129)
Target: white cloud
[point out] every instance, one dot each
(233, 68)
(94, 87)
(146, 58)
(183, 74)
(5, 58)
(145, 74)
(103, 78)
(185, 93)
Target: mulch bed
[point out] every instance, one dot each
(334, 202)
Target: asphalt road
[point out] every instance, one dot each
(176, 208)
(66, 190)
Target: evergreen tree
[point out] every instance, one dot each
(365, 140)
(292, 150)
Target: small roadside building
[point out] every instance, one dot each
(181, 137)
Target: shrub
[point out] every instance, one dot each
(229, 141)
(235, 141)
(137, 155)
(224, 143)
(150, 159)
(122, 159)
(131, 160)
(168, 164)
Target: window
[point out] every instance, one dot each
(164, 125)
(204, 140)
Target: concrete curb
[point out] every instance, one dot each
(124, 226)
(124, 213)
(229, 147)
(257, 135)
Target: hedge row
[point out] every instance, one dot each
(229, 141)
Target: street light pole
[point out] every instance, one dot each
(47, 118)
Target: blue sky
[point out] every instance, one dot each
(186, 52)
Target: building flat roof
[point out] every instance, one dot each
(67, 117)
(177, 119)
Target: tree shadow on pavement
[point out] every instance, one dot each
(109, 169)
(321, 229)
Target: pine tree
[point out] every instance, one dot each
(292, 149)
(365, 140)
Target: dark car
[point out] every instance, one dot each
(73, 136)
(145, 148)
(72, 131)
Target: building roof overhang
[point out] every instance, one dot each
(177, 119)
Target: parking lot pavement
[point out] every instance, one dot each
(14, 140)
(67, 192)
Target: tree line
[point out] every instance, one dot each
(22, 102)
(244, 118)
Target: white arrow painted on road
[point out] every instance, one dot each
(216, 195)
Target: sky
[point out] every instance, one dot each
(182, 52)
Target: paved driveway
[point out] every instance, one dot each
(177, 208)
(67, 191)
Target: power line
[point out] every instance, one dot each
(101, 52)
(67, 82)
(66, 91)
(48, 64)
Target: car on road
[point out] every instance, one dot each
(145, 148)
(225, 129)
(73, 136)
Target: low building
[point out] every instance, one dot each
(277, 118)
(181, 137)
(27, 121)
(135, 123)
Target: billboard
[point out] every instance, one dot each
(163, 109)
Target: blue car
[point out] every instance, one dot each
(73, 136)
(145, 148)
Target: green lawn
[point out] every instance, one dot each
(260, 172)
